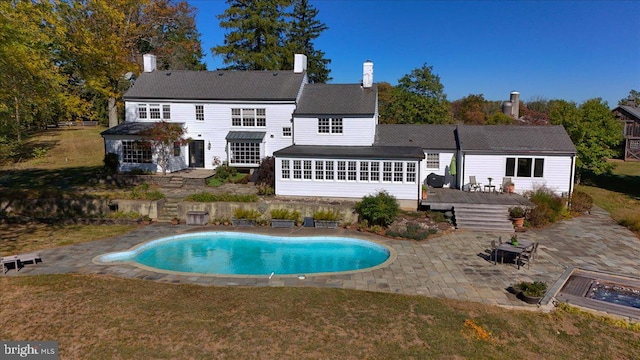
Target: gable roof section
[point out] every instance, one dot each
(351, 152)
(217, 85)
(437, 137)
(337, 99)
(514, 139)
(631, 111)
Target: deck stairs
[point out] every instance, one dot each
(482, 217)
(169, 209)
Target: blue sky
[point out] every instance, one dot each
(571, 50)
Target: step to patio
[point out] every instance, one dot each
(175, 182)
(483, 217)
(169, 210)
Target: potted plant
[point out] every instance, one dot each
(245, 217)
(326, 219)
(514, 240)
(424, 191)
(530, 292)
(145, 220)
(175, 221)
(284, 218)
(516, 214)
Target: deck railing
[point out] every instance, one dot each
(631, 130)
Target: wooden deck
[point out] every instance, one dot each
(446, 199)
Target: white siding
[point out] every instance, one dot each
(557, 174)
(341, 188)
(114, 145)
(356, 132)
(443, 168)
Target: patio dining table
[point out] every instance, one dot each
(514, 249)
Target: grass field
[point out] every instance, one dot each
(99, 317)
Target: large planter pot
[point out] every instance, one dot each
(327, 224)
(282, 223)
(243, 222)
(518, 222)
(528, 299)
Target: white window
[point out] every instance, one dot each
(524, 167)
(352, 171)
(433, 161)
(286, 170)
(319, 170)
(411, 172)
(342, 170)
(142, 111)
(249, 117)
(286, 131)
(387, 171)
(307, 169)
(329, 174)
(166, 112)
(136, 152)
(154, 111)
(245, 152)
(297, 169)
(364, 171)
(200, 112)
(398, 172)
(375, 171)
(330, 126)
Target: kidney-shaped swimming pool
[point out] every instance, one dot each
(232, 253)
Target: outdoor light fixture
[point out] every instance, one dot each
(209, 146)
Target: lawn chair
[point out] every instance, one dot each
(527, 256)
(474, 185)
(506, 182)
(494, 252)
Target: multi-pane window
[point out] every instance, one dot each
(166, 112)
(154, 111)
(142, 111)
(375, 171)
(398, 173)
(200, 112)
(524, 167)
(364, 171)
(136, 152)
(342, 171)
(329, 174)
(297, 169)
(249, 117)
(411, 172)
(319, 170)
(286, 131)
(245, 152)
(176, 148)
(387, 171)
(433, 161)
(352, 171)
(330, 126)
(286, 169)
(307, 169)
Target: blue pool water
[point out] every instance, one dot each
(616, 294)
(252, 254)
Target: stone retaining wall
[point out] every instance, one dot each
(56, 208)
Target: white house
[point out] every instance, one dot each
(326, 138)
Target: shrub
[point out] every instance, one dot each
(380, 209)
(267, 172)
(111, 163)
(532, 289)
(413, 232)
(225, 172)
(140, 171)
(327, 215)
(285, 214)
(143, 192)
(226, 197)
(38, 153)
(436, 216)
(265, 190)
(131, 215)
(581, 202)
(249, 214)
(549, 207)
(541, 215)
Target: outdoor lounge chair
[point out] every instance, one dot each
(527, 256)
(19, 260)
(474, 185)
(494, 252)
(8, 260)
(505, 184)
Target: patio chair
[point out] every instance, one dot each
(474, 185)
(494, 252)
(5, 261)
(527, 256)
(504, 186)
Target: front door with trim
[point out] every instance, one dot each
(196, 154)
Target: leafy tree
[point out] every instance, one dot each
(470, 109)
(255, 34)
(592, 128)
(499, 118)
(303, 30)
(163, 137)
(634, 95)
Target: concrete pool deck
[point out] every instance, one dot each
(455, 265)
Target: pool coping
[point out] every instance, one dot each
(393, 255)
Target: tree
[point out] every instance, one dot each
(469, 109)
(592, 128)
(256, 34)
(418, 98)
(303, 30)
(499, 118)
(634, 96)
(163, 138)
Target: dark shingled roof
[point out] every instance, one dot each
(515, 139)
(337, 99)
(129, 128)
(216, 85)
(352, 152)
(437, 137)
(631, 110)
(246, 135)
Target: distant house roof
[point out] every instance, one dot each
(351, 152)
(129, 128)
(514, 139)
(246, 135)
(217, 85)
(631, 111)
(437, 137)
(337, 99)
